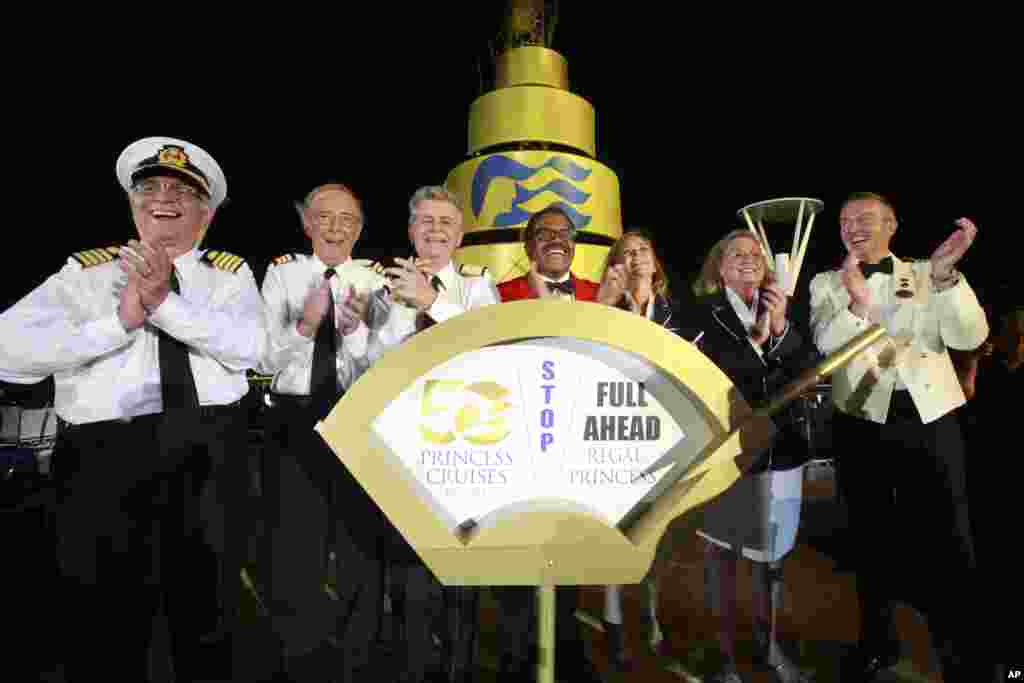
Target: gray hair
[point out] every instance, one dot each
(307, 202)
(434, 192)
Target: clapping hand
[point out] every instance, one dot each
(613, 285)
(856, 285)
(949, 253)
(351, 311)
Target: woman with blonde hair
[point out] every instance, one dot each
(740, 316)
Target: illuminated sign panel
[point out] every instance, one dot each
(539, 422)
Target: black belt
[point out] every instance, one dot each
(297, 400)
(203, 411)
(293, 400)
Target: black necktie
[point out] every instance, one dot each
(883, 266)
(323, 384)
(564, 287)
(177, 385)
(423, 319)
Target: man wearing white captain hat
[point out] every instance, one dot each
(148, 344)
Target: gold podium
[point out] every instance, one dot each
(525, 531)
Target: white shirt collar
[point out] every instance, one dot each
(447, 274)
(187, 261)
(320, 267)
(747, 315)
(564, 278)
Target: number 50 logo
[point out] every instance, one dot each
(477, 412)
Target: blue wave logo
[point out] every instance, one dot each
(500, 166)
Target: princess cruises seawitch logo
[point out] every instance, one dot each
(501, 182)
(477, 412)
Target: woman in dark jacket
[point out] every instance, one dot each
(646, 294)
(739, 320)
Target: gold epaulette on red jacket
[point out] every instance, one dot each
(222, 260)
(471, 270)
(94, 257)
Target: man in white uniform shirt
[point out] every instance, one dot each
(902, 470)
(327, 321)
(148, 343)
(438, 290)
(432, 283)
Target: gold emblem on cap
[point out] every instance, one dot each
(173, 156)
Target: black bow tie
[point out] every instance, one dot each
(436, 283)
(564, 287)
(883, 266)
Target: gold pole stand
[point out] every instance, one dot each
(545, 634)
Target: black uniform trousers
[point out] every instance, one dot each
(309, 496)
(439, 634)
(131, 536)
(904, 485)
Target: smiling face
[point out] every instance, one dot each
(866, 227)
(169, 213)
(742, 265)
(333, 222)
(638, 257)
(436, 230)
(552, 245)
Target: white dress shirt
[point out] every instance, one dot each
(462, 293)
(289, 356)
(746, 314)
(68, 327)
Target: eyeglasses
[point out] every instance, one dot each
(738, 254)
(550, 235)
(152, 187)
(430, 221)
(346, 220)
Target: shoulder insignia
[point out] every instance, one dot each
(472, 270)
(285, 258)
(222, 260)
(369, 264)
(94, 257)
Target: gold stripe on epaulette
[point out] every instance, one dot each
(95, 257)
(222, 260)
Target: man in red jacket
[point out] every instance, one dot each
(550, 242)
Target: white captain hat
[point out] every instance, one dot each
(159, 155)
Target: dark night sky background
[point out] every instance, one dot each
(697, 118)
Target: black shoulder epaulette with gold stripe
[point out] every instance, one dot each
(471, 270)
(222, 260)
(94, 257)
(285, 258)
